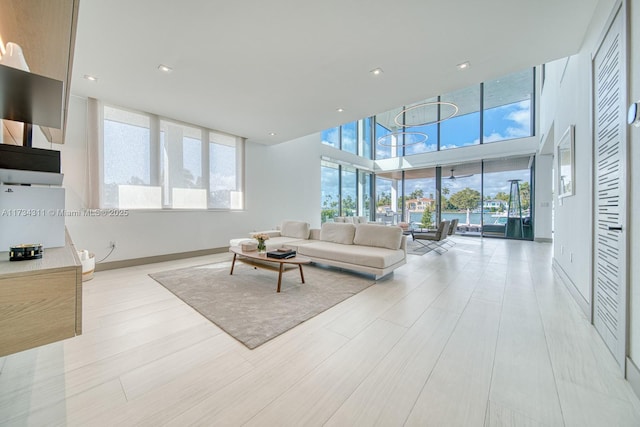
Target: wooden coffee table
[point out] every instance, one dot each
(260, 260)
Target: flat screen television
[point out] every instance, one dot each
(30, 98)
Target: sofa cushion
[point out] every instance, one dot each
(350, 219)
(238, 242)
(271, 242)
(368, 256)
(381, 237)
(337, 233)
(297, 229)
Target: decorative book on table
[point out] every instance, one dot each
(281, 253)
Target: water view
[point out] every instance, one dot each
(474, 218)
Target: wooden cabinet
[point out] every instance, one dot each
(40, 300)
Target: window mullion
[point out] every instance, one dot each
(481, 113)
(204, 146)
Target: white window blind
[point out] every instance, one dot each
(157, 163)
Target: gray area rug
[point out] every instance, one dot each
(246, 304)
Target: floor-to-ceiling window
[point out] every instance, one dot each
(507, 204)
(461, 196)
(495, 110)
(348, 191)
(463, 129)
(419, 128)
(386, 144)
(355, 137)
(331, 137)
(492, 198)
(349, 137)
(365, 138)
(508, 107)
(365, 193)
(387, 197)
(345, 191)
(330, 191)
(420, 198)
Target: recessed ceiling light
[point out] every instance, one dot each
(165, 68)
(376, 71)
(90, 78)
(464, 65)
(272, 133)
(339, 110)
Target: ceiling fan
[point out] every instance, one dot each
(453, 177)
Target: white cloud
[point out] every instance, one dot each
(521, 118)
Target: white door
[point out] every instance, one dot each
(610, 170)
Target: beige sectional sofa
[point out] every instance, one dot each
(368, 248)
(351, 219)
(288, 232)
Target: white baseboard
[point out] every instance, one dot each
(158, 258)
(573, 290)
(543, 239)
(633, 376)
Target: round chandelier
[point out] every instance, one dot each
(418, 139)
(420, 110)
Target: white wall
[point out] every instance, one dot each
(543, 226)
(566, 100)
(569, 103)
(566, 86)
(282, 182)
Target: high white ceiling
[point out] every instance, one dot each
(253, 67)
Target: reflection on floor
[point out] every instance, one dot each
(482, 335)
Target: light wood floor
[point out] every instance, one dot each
(483, 335)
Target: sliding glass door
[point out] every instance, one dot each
(461, 196)
(490, 198)
(420, 198)
(507, 204)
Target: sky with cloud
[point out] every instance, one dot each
(500, 123)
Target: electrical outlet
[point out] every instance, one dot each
(112, 244)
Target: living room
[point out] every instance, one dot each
(281, 180)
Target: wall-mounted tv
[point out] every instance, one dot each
(30, 98)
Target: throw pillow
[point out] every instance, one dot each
(380, 237)
(297, 229)
(337, 232)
